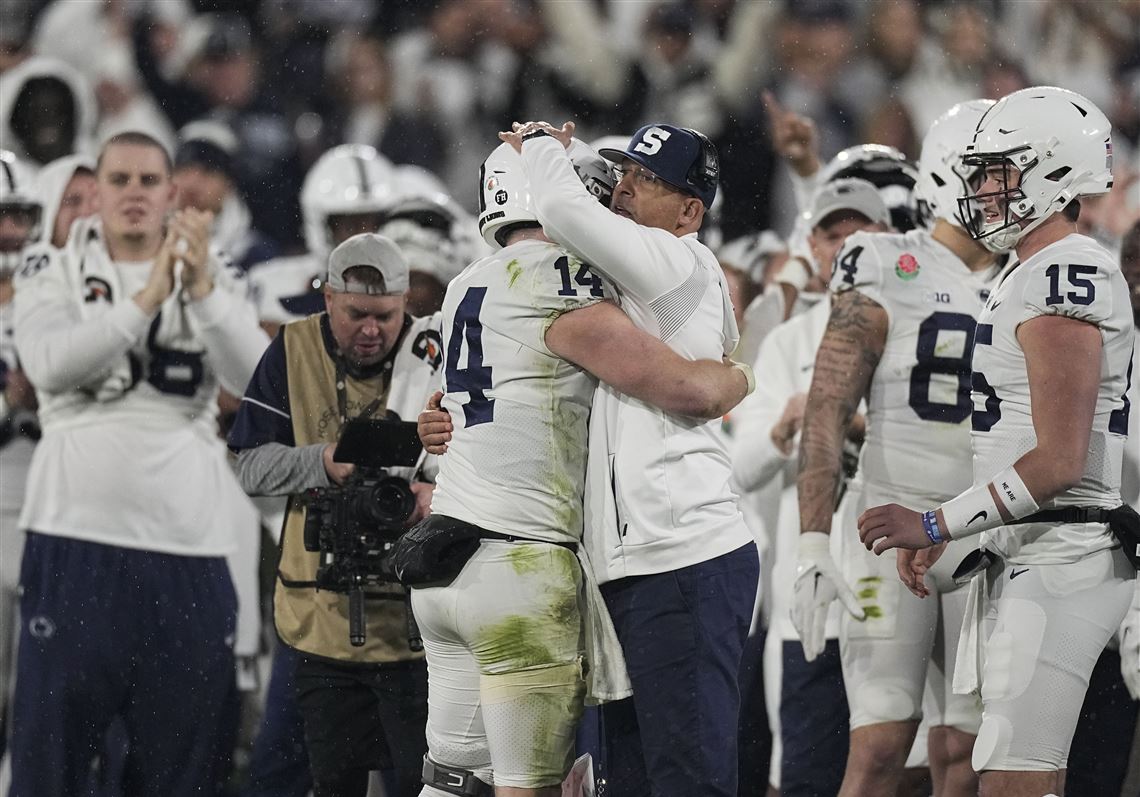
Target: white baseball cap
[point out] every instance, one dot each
(373, 251)
(851, 194)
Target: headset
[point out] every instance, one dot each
(705, 171)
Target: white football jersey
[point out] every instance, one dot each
(917, 445)
(516, 462)
(1073, 277)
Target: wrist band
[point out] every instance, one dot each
(930, 525)
(974, 511)
(1014, 494)
(534, 134)
(749, 375)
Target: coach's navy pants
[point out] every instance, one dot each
(109, 631)
(682, 633)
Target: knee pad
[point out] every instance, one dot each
(882, 701)
(992, 744)
(1013, 649)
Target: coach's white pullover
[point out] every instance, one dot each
(657, 485)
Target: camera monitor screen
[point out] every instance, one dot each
(378, 443)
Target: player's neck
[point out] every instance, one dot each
(961, 243)
(1050, 231)
(527, 234)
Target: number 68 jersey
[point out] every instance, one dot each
(1077, 278)
(516, 463)
(917, 445)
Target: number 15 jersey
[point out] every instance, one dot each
(917, 446)
(516, 463)
(1077, 278)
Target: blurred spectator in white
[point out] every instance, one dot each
(361, 110)
(949, 73)
(95, 39)
(204, 171)
(1072, 44)
(453, 71)
(212, 69)
(47, 110)
(16, 17)
(679, 75)
(66, 190)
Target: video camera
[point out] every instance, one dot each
(352, 526)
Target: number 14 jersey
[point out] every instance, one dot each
(516, 463)
(917, 445)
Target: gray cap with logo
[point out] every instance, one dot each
(373, 251)
(849, 194)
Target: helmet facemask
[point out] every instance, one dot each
(1000, 234)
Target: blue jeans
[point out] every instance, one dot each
(682, 633)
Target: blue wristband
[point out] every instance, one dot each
(930, 525)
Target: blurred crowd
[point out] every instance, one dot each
(430, 83)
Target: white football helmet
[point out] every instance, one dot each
(346, 180)
(504, 194)
(1059, 142)
(17, 197)
(942, 177)
(888, 170)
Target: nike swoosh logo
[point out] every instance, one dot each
(815, 586)
(1015, 573)
(980, 516)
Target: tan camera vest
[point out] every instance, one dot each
(310, 620)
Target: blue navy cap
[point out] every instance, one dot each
(681, 157)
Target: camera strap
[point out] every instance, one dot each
(342, 394)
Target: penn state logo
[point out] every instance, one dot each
(96, 289)
(428, 346)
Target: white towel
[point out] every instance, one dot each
(970, 662)
(606, 676)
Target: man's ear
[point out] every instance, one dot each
(692, 213)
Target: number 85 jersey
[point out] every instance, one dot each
(1077, 278)
(516, 463)
(917, 445)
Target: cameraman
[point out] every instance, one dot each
(364, 708)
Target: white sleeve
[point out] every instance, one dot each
(59, 350)
(227, 324)
(642, 261)
(857, 267)
(755, 458)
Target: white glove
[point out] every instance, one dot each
(1129, 635)
(818, 583)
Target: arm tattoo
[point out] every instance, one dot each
(852, 345)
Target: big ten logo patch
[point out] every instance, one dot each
(428, 346)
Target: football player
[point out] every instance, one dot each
(526, 331)
(809, 731)
(20, 218)
(1052, 362)
(127, 604)
(345, 193)
(900, 335)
